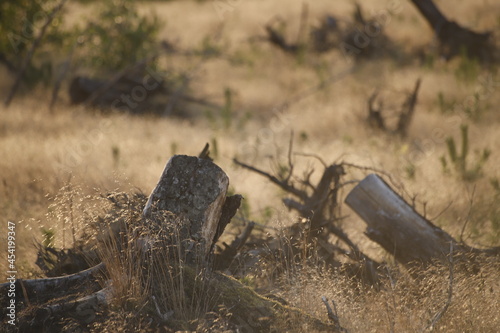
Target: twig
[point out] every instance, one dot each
(333, 314)
(290, 163)
(442, 212)
(287, 187)
(467, 219)
(314, 156)
(31, 52)
(441, 312)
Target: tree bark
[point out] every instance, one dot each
(196, 189)
(396, 226)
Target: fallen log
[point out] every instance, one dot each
(40, 290)
(400, 229)
(396, 226)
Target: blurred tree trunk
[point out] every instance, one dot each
(453, 38)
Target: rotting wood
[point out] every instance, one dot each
(85, 309)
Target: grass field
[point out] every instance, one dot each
(96, 152)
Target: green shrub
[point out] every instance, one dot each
(20, 24)
(118, 37)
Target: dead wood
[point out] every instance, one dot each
(195, 188)
(400, 229)
(156, 93)
(225, 257)
(190, 190)
(454, 38)
(319, 210)
(84, 309)
(377, 121)
(41, 290)
(407, 111)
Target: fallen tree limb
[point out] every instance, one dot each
(41, 290)
(318, 207)
(84, 309)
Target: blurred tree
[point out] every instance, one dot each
(20, 21)
(453, 38)
(118, 37)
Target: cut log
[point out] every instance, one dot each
(193, 188)
(396, 226)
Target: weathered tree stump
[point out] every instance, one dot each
(396, 226)
(191, 195)
(195, 189)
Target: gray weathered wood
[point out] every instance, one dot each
(396, 226)
(193, 188)
(44, 289)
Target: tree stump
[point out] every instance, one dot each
(191, 193)
(196, 189)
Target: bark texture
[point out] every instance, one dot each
(195, 189)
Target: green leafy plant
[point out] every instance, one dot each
(468, 69)
(459, 159)
(473, 111)
(118, 37)
(20, 25)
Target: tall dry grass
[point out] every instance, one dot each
(90, 152)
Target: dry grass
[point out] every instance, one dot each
(404, 303)
(44, 151)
